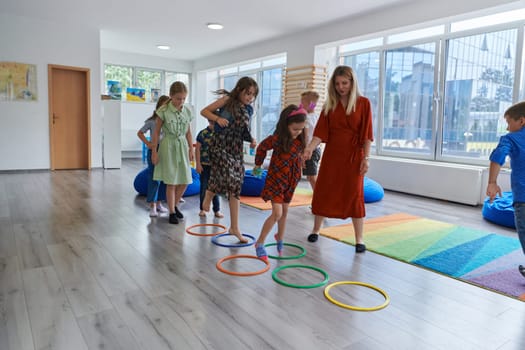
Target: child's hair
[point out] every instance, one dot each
(177, 87)
(160, 102)
(286, 118)
(242, 84)
(311, 94)
(516, 111)
(333, 96)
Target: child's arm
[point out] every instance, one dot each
(189, 138)
(262, 149)
(155, 140)
(143, 138)
(198, 165)
(492, 188)
(307, 153)
(208, 112)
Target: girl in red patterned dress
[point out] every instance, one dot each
(284, 172)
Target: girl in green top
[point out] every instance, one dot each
(172, 161)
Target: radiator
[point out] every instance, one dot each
(452, 182)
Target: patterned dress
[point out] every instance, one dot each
(173, 166)
(226, 152)
(339, 188)
(284, 171)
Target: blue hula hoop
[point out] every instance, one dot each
(215, 240)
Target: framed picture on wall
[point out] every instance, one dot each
(136, 94)
(155, 94)
(17, 81)
(114, 89)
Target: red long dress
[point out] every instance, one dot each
(339, 188)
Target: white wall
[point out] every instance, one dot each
(300, 47)
(25, 141)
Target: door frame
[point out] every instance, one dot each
(87, 101)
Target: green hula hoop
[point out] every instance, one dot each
(300, 255)
(284, 283)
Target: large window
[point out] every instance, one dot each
(441, 95)
(407, 104)
(148, 80)
(270, 97)
(479, 79)
(366, 67)
(268, 74)
(144, 78)
(172, 77)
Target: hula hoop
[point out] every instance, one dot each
(357, 308)
(284, 283)
(188, 230)
(242, 274)
(215, 240)
(300, 255)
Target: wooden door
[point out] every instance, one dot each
(69, 117)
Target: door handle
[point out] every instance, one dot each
(55, 117)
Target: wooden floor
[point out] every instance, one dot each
(82, 266)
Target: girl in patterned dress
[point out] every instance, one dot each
(284, 172)
(172, 160)
(231, 114)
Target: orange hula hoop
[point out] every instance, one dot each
(224, 229)
(242, 274)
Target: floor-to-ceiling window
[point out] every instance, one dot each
(268, 75)
(479, 87)
(440, 92)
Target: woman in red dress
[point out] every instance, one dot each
(345, 126)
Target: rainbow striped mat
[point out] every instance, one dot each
(481, 258)
(302, 196)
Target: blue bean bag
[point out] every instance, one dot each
(141, 185)
(500, 211)
(374, 192)
(253, 185)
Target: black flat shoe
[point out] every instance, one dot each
(313, 237)
(360, 248)
(521, 268)
(178, 213)
(173, 219)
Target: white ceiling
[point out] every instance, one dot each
(139, 26)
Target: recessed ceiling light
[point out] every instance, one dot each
(215, 26)
(163, 47)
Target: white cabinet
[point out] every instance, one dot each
(111, 134)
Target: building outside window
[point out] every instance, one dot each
(439, 93)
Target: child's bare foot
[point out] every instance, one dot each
(202, 213)
(239, 236)
(207, 201)
(218, 214)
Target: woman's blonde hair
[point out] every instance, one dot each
(333, 96)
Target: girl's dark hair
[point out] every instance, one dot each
(281, 130)
(160, 102)
(242, 84)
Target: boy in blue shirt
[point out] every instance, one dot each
(513, 145)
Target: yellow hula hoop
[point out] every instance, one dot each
(356, 308)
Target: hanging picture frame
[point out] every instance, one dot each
(18, 81)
